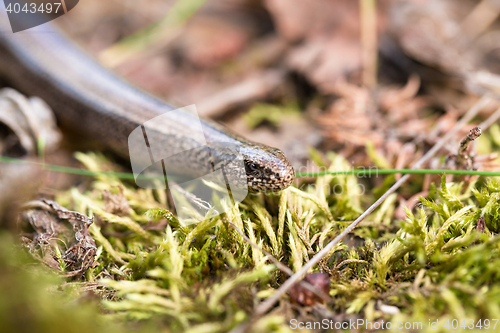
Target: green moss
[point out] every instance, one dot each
(33, 299)
(151, 268)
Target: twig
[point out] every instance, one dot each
(268, 303)
(473, 135)
(254, 88)
(462, 158)
(491, 119)
(482, 81)
(369, 41)
(480, 18)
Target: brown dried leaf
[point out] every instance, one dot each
(324, 61)
(308, 18)
(358, 116)
(438, 33)
(481, 223)
(328, 37)
(23, 122)
(348, 119)
(208, 41)
(299, 294)
(47, 219)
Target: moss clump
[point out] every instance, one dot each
(34, 299)
(438, 264)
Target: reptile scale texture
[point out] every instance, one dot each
(97, 105)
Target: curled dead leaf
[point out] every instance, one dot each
(24, 122)
(51, 234)
(301, 295)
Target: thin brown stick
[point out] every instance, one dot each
(369, 41)
(254, 88)
(480, 18)
(464, 144)
(493, 118)
(268, 303)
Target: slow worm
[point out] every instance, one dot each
(96, 105)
